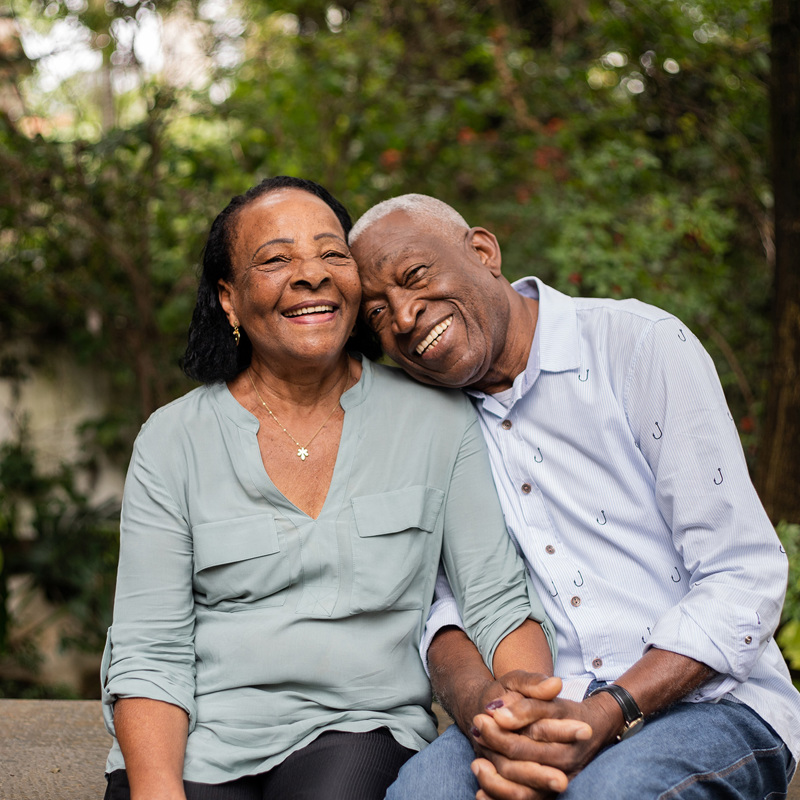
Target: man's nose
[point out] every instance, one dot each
(405, 313)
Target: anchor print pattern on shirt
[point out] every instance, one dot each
(634, 388)
(659, 438)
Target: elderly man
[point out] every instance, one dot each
(624, 487)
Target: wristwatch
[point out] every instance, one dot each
(634, 719)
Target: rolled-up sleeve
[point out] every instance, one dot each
(150, 646)
(737, 572)
(443, 614)
(488, 578)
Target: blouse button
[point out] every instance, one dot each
(526, 488)
(507, 424)
(576, 601)
(748, 639)
(597, 663)
(550, 549)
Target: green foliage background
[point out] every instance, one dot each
(615, 147)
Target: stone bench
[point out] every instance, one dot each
(52, 750)
(56, 750)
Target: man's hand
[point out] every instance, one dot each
(518, 730)
(532, 741)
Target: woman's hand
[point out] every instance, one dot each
(532, 741)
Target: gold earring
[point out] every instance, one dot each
(236, 335)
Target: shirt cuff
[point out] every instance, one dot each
(131, 685)
(574, 689)
(443, 614)
(713, 690)
(731, 651)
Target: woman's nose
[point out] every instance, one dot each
(312, 272)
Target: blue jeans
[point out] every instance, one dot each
(712, 751)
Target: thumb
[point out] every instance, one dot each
(532, 685)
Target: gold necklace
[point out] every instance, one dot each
(302, 450)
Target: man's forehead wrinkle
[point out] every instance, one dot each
(393, 257)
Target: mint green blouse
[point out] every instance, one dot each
(269, 627)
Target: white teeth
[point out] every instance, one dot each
(308, 310)
(431, 338)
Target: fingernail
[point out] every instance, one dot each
(475, 732)
(555, 786)
(494, 705)
(474, 767)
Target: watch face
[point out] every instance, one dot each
(632, 727)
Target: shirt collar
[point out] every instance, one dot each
(556, 342)
(557, 326)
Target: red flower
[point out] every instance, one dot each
(466, 135)
(747, 424)
(390, 159)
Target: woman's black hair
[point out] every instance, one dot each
(212, 354)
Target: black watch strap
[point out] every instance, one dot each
(634, 719)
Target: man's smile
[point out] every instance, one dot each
(433, 336)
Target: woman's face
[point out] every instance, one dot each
(295, 287)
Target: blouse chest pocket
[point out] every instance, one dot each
(240, 561)
(395, 551)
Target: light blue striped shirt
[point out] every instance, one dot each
(624, 487)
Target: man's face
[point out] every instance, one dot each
(434, 298)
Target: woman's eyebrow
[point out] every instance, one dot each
(291, 241)
(271, 241)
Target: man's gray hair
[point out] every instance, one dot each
(434, 214)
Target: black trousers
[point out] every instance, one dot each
(335, 766)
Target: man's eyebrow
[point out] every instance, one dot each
(396, 257)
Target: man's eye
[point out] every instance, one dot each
(415, 273)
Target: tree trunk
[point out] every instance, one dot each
(778, 471)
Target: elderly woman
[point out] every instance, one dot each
(280, 535)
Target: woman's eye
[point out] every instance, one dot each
(336, 254)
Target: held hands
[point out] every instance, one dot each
(531, 742)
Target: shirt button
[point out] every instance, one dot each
(506, 424)
(576, 601)
(526, 488)
(597, 663)
(748, 639)
(550, 549)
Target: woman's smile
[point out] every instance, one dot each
(316, 310)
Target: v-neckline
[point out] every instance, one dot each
(337, 468)
(249, 426)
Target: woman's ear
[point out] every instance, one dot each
(225, 292)
(486, 246)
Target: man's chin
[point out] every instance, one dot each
(447, 379)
